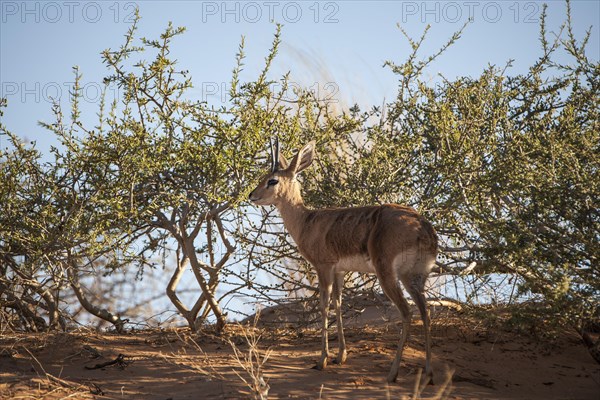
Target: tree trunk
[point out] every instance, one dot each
(189, 315)
(101, 313)
(207, 291)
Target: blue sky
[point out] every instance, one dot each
(335, 47)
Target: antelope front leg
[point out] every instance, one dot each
(338, 287)
(325, 286)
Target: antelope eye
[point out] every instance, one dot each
(272, 182)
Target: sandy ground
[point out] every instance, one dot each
(470, 362)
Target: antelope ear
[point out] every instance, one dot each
(283, 162)
(304, 158)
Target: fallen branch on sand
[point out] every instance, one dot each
(119, 361)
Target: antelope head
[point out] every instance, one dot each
(280, 184)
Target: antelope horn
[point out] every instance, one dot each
(275, 155)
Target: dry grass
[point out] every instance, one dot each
(50, 386)
(252, 361)
(190, 355)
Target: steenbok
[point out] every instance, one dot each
(392, 241)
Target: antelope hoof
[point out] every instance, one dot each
(392, 376)
(429, 377)
(341, 358)
(321, 364)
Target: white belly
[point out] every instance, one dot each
(358, 263)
